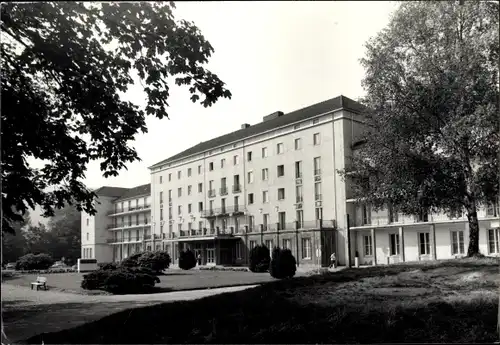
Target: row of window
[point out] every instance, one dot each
(120, 207)
(87, 253)
(286, 243)
(424, 246)
(280, 172)
(280, 149)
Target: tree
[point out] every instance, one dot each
(65, 66)
(260, 259)
(283, 264)
(14, 245)
(156, 261)
(65, 228)
(432, 136)
(187, 259)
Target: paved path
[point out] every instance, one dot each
(27, 313)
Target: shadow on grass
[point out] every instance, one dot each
(262, 316)
(266, 315)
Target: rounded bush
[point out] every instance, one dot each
(187, 260)
(131, 261)
(121, 281)
(156, 261)
(259, 259)
(283, 264)
(34, 262)
(108, 266)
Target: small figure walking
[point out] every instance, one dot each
(333, 261)
(199, 259)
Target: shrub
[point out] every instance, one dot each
(121, 281)
(156, 261)
(34, 262)
(259, 259)
(106, 266)
(131, 261)
(283, 264)
(187, 260)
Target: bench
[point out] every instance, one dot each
(40, 282)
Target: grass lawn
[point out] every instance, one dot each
(173, 280)
(444, 301)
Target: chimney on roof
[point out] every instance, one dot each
(273, 116)
(245, 125)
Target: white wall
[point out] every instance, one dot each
(97, 229)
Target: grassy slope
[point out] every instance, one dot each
(448, 301)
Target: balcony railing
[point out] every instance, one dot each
(146, 207)
(207, 213)
(211, 193)
(223, 191)
(317, 172)
(236, 188)
(114, 240)
(318, 197)
(127, 225)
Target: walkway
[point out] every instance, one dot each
(27, 313)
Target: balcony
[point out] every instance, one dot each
(147, 237)
(236, 209)
(127, 225)
(223, 191)
(211, 193)
(197, 232)
(134, 209)
(114, 240)
(237, 188)
(207, 213)
(317, 172)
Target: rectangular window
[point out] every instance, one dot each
(200, 187)
(269, 244)
(189, 172)
(161, 215)
(137, 217)
(367, 245)
(249, 156)
(424, 244)
(179, 209)
(222, 162)
(365, 215)
(238, 250)
(393, 214)
(265, 174)
(236, 160)
(300, 218)
(199, 169)
(423, 216)
(250, 198)
(169, 177)
(280, 149)
(317, 166)
(211, 166)
(252, 244)
(316, 139)
(265, 221)
(179, 192)
(161, 197)
(298, 194)
(161, 179)
(493, 242)
(264, 152)
(317, 191)
(88, 221)
(287, 243)
(169, 195)
(306, 248)
(298, 169)
(394, 244)
(281, 193)
(265, 196)
(189, 208)
(281, 220)
(250, 177)
(298, 144)
(251, 222)
(87, 236)
(200, 206)
(189, 189)
(457, 242)
(200, 225)
(179, 174)
(281, 170)
(492, 210)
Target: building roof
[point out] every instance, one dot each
(144, 189)
(295, 116)
(113, 192)
(124, 193)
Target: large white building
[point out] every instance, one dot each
(276, 183)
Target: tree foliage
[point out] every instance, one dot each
(65, 66)
(432, 135)
(283, 264)
(187, 259)
(260, 259)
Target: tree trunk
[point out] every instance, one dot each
(473, 249)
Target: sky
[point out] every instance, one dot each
(272, 56)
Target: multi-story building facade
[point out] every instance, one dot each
(121, 225)
(276, 183)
